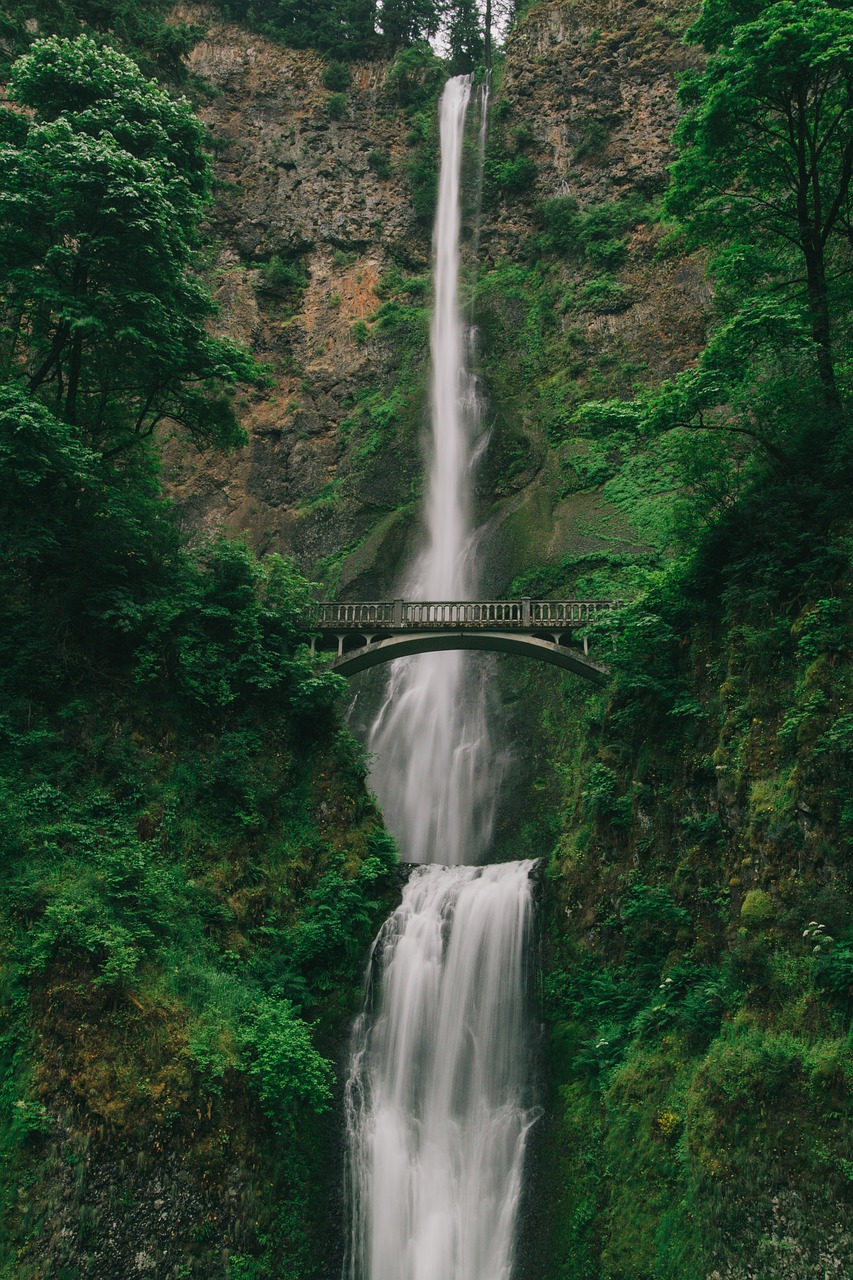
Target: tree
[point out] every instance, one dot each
(465, 35)
(342, 28)
(139, 26)
(405, 22)
(767, 148)
(104, 181)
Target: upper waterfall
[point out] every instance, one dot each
(436, 774)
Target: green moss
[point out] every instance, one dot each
(758, 908)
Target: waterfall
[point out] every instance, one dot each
(437, 1109)
(437, 1101)
(435, 770)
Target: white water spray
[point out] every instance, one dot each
(435, 772)
(436, 1106)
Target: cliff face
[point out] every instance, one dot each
(323, 245)
(313, 210)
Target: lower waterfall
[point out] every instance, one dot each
(438, 1101)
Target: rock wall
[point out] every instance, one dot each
(587, 90)
(297, 185)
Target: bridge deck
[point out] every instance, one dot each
(435, 615)
(368, 633)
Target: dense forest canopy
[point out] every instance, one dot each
(342, 28)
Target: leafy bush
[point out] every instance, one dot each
(282, 1062)
(596, 234)
(416, 76)
(757, 908)
(337, 106)
(380, 163)
(284, 276)
(514, 174)
(337, 77)
(602, 797)
(604, 296)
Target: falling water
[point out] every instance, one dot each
(437, 1108)
(437, 1101)
(435, 771)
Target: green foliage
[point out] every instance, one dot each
(230, 634)
(765, 150)
(102, 189)
(337, 106)
(285, 277)
(604, 296)
(380, 163)
(465, 35)
(282, 1062)
(699, 1016)
(422, 169)
(597, 235)
(416, 77)
(410, 23)
(757, 908)
(143, 28)
(190, 866)
(343, 28)
(513, 174)
(337, 77)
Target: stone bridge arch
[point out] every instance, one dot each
(366, 634)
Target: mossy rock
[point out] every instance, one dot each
(758, 908)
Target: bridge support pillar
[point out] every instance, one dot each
(585, 645)
(340, 641)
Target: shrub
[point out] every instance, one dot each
(604, 296)
(380, 163)
(417, 75)
(337, 77)
(514, 174)
(281, 1061)
(758, 908)
(337, 106)
(281, 276)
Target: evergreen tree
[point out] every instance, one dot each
(343, 28)
(466, 35)
(404, 22)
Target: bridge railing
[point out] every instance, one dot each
(348, 617)
(427, 615)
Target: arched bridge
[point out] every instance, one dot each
(364, 635)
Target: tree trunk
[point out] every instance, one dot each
(821, 324)
(74, 366)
